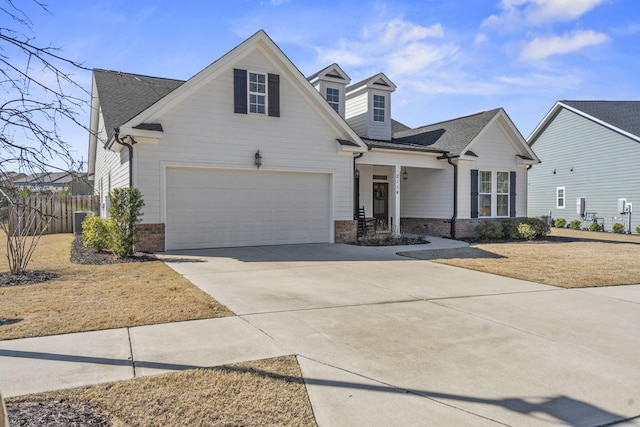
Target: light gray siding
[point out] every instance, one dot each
(590, 161)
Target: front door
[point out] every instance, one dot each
(381, 203)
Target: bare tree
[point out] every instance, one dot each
(38, 94)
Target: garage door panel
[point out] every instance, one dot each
(219, 208)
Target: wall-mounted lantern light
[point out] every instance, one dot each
(405, 175)
(554, 171)
(258, 159)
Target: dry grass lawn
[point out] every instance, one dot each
(568, 259)
(94, 297)
(264, 392)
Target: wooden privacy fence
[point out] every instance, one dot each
(58, 210)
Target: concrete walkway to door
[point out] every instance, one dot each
(386, 340)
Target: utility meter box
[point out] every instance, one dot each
(621, 205)
(628, 207)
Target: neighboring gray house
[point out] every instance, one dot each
(590, 152)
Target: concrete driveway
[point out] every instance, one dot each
(387, 340)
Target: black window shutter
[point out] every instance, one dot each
(274, 95)
(239, 91)
(512, 194)
(474, 193)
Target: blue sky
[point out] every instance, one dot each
(448, 58)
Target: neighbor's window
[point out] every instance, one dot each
(257, 93)
(484, 193)
(560, 197)
(333, 98)
(378, 108)
(502, 193)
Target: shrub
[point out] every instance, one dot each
(638, 229)
(97, 233)
(560, 223)
(489, 230)
(526, 231)
(594, 226)
(575, 224)
(512, 230)
(618, 228)
(125, 211)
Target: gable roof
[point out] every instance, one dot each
(333, 72)
(620, 116)
(452, 137)
(125, 95)
(379, 81)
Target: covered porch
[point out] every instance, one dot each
(405, 192)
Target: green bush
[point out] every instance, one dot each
(560, 223)
(489, 230)
(594, 226)
(526, 231)
(97, 233)
(125, 211)
(618, 228)
(512, 230)
(638, 229)
(575, 224)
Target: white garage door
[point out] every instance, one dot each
(209, 208)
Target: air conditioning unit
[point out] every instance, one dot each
(580, 206)
(621, 205)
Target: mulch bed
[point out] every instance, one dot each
(56, 414)
(26, 278)
(391, 241)
(80, 254)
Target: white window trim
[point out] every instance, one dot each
(265, 94)
(491, 194)
(508, 194)
(374, 108)
(564, 198)
(332, 103)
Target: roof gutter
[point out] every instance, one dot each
(122, 142)
(455, 192)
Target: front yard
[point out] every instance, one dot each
(567, 258)
(94, 297)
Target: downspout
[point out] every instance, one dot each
(356, 187)
(130, 147)
(452, 231)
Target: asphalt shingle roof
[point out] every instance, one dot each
(624, 115)
(124, 95)
(450, 136)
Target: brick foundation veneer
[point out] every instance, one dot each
(345, 231)
(439, 227)
(150, 238)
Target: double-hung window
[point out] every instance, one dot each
(502, 194)
(484, 193)
(257, 93)
(378, 108)
(560, 197)
(333, 98)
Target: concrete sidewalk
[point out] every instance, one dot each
(381, 339)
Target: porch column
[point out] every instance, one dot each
(395, 211)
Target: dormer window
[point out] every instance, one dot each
(378, 108)
(333, 98)
(257, 93)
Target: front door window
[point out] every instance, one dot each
(381, 203)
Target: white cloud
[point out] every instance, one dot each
(543, 47)
(397, 47)
(516, 13)
(279, 2)
(480, 39)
